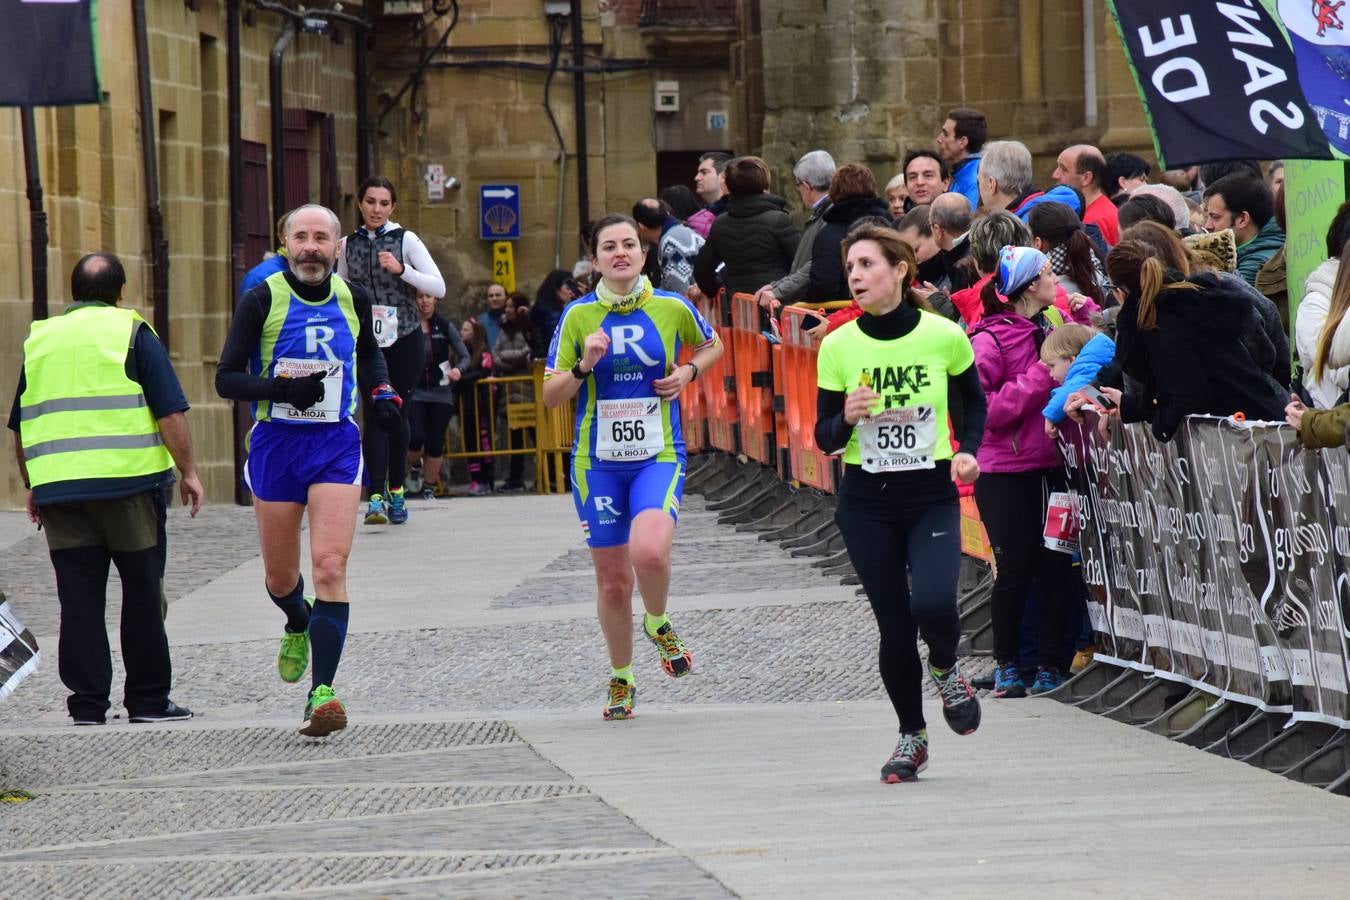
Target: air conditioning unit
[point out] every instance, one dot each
(667, 97)
(404, 7)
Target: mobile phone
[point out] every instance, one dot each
(810, 320)
(1094, 393)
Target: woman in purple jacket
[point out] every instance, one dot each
(1020, 466)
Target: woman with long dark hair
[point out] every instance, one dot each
(884, 380)
(393, 264)
(1057, 232)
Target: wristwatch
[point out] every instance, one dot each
(691, 364)
(579, 374)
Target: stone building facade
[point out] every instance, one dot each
(774, 77)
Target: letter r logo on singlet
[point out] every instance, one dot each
(318, 337)
(630, 335)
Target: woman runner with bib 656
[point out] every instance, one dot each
(615, 351)
(883, 381)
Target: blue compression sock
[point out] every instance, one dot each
(294, 606)
(327, 634)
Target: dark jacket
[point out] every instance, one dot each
(827, 269)
(756, 240)
(1198, 360)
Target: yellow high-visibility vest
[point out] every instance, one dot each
(80, 416)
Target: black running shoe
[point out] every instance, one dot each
(909, 759)
(171, 713)
(960, 706)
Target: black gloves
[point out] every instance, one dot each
(302, 393)
(387, 406)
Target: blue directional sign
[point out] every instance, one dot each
(499, 212)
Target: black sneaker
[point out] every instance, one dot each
(171, 713)
(909, 759)
(960, 706)
(89, 720)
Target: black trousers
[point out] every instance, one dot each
(427, 422)
(1012, 507)
(386, 453)
(84, 539)
(885, 537)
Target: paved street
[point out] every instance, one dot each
(477, 764)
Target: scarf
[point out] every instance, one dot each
(1059, 263)
(628, 302)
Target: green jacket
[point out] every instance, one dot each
(1324, 427)
(1252, 255)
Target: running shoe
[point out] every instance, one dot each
(512, 487)
(426, 493)
(1008, 682)
(440, 491)
(398, 509)
(960, 707)
(479, 489)
(675, 657)
(377, 513)
(414, 482)
(324, 713)
(170, 713)
(622, 696)
(293, 657)
(909, 759)
(1047, 679)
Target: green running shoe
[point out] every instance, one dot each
(324, 713)
(377, 513)
(622, 696)
(676, 659)
(293, 657)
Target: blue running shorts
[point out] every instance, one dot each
(608, 500)
(284, 460)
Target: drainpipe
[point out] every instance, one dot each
(362, 109)
(1089, 65)
(579, 90)
(37, 217)
(277, 99)
(241, 419)
(159, 245)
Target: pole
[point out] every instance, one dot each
(37, 217)
(159, 245)
(579, 90)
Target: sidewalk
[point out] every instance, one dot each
(477, 763)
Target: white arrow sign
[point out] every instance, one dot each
(503, 193)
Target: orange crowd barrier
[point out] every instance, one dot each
(808, 464)
(781, 448)
(693, 419)
(719, 397)
(754, 380)
(974, 539)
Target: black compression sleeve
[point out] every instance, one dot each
(832, 432)
(967, 386)
(233, 380)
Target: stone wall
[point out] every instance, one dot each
(90, 159)
(884, 74)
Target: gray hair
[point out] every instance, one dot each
(815, 169)
(1175, 200)
(992, 233)
(951, 212)
(1009, 164)
(337, 223)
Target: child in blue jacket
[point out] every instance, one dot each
(1075, 354)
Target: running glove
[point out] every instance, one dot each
(302, 393)
(387, 405)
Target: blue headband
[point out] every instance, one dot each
(1018, 267)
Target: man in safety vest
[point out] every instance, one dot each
(99, 422)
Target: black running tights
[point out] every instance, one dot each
(387, 452)
(884, 538)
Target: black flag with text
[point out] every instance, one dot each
(49, 51)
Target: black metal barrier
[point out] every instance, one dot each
(1218, 574)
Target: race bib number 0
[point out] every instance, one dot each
(898, 440)
(326, 410)
(386, 325)
(629, 430)
(1061, 522)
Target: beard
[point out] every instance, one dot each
(312, 268)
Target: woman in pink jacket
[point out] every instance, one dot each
(1020, 466)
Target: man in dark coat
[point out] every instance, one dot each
(753, 242)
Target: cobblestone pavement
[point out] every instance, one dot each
(234, 803)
